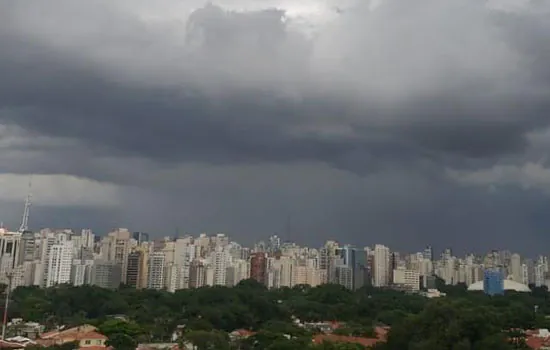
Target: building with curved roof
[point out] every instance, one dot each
(508, 285)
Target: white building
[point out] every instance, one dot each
(515, 268)
(60, 262)
(81, 272)
(156, 270)
(238, 270)
(219, 260)
(381, 266)
(88, 238)
(9, 252)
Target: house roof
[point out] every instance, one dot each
(321, 338)
(92, 335)
(245, 333)
(381, 334)
(64, 332)
(537, 343)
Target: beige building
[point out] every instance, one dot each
(410, 279)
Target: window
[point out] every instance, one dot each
(87, 342)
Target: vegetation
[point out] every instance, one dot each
(208, 315)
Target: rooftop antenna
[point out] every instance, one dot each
(25, 219)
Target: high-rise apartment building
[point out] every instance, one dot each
(409, 279)
(9, 252)
(116, 247)
(106, 274)
(137, 269)
(381, 264)
(258, 267)
(219, 262)
(515, 268)
(28, 247)
(238, 270)
(197, 274)
(156, 273)
(88, 238)
(60, 262)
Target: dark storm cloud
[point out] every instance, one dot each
(242, 82)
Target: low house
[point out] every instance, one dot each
(92, 341)
(86, 336)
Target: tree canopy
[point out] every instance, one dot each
(462, 320)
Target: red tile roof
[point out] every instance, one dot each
(245, 333)
(333, 338)
(381, 333)
(91, 335)
(537, 343)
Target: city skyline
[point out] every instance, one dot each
(424, 121)
(50, 257)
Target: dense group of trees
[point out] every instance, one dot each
(462, 320)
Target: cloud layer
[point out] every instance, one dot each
(364, 117)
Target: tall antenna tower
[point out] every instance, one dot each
(28, 202)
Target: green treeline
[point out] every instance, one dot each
(461, 320)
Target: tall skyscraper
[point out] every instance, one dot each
(60, 262)
(515, 268)
(106, 274)
(116, 247)
(88, 238)
(156, 270)
(28, 247)
(258, 267)
(136, 275)
(219, 259)
(381, 265)
(10, 243)
(197, 274)
(361, 272)
(428, 253)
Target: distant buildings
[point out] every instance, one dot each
(57, 256)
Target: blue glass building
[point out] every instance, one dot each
(493, 282)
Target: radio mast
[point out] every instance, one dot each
(25, 219)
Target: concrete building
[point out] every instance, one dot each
(381, 268)
(197, 274)
(60, 262)
(258, 267)
(156, 272)
(9, 252)
(409, 279)
(106, 274)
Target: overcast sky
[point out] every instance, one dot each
(398, 122)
